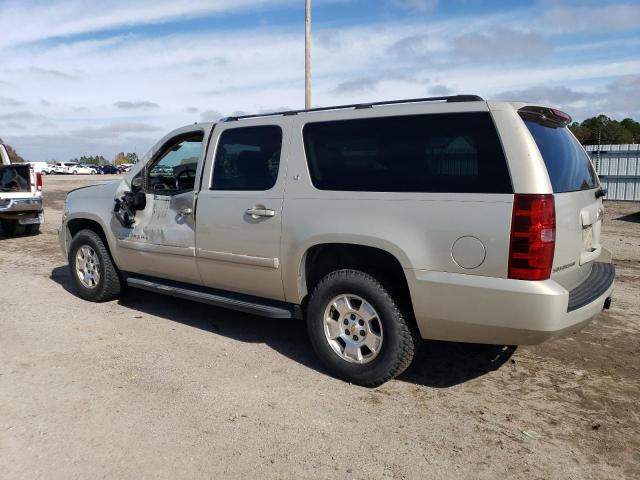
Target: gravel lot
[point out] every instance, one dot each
(154, 387)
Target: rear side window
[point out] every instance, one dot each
(247, 159)
(568, 165)
(453, 152)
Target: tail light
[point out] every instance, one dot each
(39, 181)
(533, 237)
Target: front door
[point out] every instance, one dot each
(161, 242)
(239, 210)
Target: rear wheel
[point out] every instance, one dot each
(92, 269)
(12, 227)
(358, 330)
(32, 229)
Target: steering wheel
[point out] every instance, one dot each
(188, 173)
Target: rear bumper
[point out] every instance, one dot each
(26, 210)
(469, 308)
(13, 205)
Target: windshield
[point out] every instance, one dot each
(568, 165)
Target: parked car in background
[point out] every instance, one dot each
(78, 169)
(41, 167)
(449, 218)
(49, 169)
(20, 197)
(124, 167)
(108, 170)
(61, 168)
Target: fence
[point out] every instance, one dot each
(618, 167)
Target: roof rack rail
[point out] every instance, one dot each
(358, 106)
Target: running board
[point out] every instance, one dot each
(217, 298)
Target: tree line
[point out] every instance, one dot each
(13, 155)
(602, 130)
(119, 159)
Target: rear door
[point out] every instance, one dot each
(578, 200)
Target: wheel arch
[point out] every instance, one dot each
(75, 224)
(321, 258)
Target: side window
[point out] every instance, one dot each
(247, 159)
(175, 170)
(453, 152)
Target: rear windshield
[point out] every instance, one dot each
(453, 152)
(568, 165)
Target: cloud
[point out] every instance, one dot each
(115, 129)
(210, 116)
(593, 18)
(619, 98)
(15, 126)
(356, 86)
(11, 102)
(21, 115)
(418, 5)
(192, 109)
(74, 17)
(440, 90)
(501, 43)
(545, 94)
(50, 72)
(623, 96)
(411, 47)
(141, 105)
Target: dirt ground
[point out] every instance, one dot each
(154, 387)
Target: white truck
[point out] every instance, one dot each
(21, 209)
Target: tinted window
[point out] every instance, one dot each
(175, 170)
(247, 159)
(455, 152)
(568, 165)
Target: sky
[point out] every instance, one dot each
(95, 77)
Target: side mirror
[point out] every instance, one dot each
(136, 184)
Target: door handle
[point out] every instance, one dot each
(186, 211)
(260, 211)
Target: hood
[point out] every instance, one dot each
(101, 190)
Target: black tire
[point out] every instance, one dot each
(32, 229)
(109, 285)
(12, 227)
(401, 339)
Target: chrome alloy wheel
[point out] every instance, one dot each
(88, 266)
(353, 328)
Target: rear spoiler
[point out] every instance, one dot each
(549, 117)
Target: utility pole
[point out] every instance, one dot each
(307, 55)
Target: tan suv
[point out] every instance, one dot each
(448, 218)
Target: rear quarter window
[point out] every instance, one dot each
(568, 165)
(454, 152)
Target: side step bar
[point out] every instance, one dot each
(218, 298)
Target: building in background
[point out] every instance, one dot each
(618, 167)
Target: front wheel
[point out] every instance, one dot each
(92, 269)
(358, 330)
